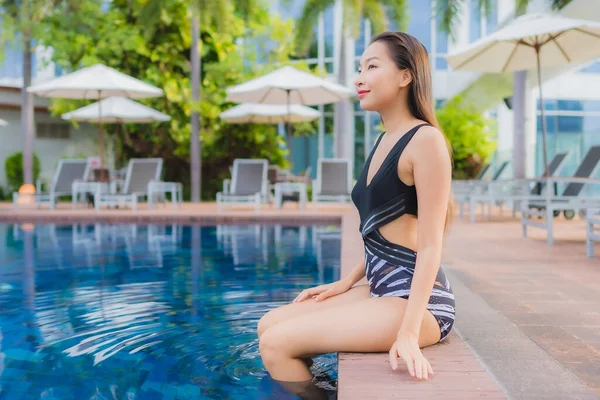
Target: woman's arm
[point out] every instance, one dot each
(432, 171)
(357, 273)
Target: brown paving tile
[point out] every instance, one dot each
(550, 293)
(589, 373)
(595, 345)
(573, 319)
(526, 318)
(547, 333)
(588, 334)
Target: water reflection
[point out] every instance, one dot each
(135, 311)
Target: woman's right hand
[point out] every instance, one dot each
(324, 291)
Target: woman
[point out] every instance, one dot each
(409, 169)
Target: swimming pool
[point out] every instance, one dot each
(151, 311)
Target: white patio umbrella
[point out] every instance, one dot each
(532, 41)
(96, 82)
(116, 110)
(288, 85)
(3, 122)
(269, 113)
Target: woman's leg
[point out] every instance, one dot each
(368, 325)
(293, 310)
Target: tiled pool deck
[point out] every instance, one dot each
(528, 315)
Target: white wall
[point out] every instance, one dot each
(83, 142)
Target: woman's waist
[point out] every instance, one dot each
(400, 237)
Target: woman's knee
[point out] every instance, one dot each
(272, 346)
(264, 322)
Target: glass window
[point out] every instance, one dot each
(328, 24)
(591, 124)
(549, 104)
(441, 38)
(13, 61)
(550, 124)
(570, 105)
(420, 21)
(359, 44)
(593, 68)
(441, 63)
(474, 21)
(567, 123)
(491, 21)
(591, 105)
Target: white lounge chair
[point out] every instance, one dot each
(463, 189)
(592, 236)
(248, 185)
(140, 172)
(67, 172)
(334, 181)
(499, 192)
(548, 205)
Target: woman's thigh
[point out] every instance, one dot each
(292, 310)
(368, 325)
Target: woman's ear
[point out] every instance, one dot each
(405, 78)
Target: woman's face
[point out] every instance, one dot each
(379, 81)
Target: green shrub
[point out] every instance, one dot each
(14, 170)
(471, 135)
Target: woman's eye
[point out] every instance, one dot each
(369, 67)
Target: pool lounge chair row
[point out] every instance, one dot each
(542, 199)
(249, 183)
(141, 174)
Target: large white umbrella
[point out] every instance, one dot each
(288, 85)
(3, 122)
(96, 82)
(269, 113)
(532, 41)
(116, 110)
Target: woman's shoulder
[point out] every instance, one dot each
(429, 135)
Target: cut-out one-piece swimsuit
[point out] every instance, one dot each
(390, 267)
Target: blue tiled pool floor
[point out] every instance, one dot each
(150, 311)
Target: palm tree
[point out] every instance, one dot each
(202, 13)
(24, 17)
(449, 10)
(375, 11)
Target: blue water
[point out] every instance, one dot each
(151, 311)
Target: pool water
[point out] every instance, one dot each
(151, 311)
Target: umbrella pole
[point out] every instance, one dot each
(289, 130)
(539, 72)
(100, 138)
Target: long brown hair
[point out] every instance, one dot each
(408, 53)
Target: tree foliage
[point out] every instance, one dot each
(470, 134)
(117, 36)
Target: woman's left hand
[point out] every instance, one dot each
(406, 347)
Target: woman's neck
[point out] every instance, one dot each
(398, 119)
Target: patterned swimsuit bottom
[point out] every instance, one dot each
(394, 279)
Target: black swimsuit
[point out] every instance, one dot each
(389, 266)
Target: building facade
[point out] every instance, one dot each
(573, 116)
(54, 137)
